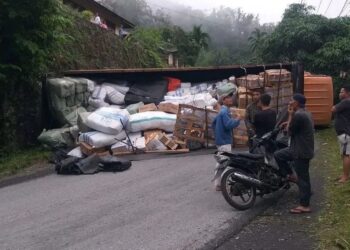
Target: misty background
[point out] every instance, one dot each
(228, 28)
(226, 35)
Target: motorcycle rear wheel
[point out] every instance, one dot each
(232, 189)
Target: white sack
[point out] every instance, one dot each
(76, 153)
(114, 96)
(108, 120)
(152, 120)
(136, 140)
(119, 88)
(98, 140)
(99, 92)
(201, 100)
(97, 103)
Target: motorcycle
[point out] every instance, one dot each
(247, 175)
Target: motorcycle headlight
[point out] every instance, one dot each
(221, 158)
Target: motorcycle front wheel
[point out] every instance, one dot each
(238, 195)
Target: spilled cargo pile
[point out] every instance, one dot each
(162, 115)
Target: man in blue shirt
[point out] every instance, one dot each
(223, 126)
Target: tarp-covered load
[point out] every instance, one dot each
(147, 92)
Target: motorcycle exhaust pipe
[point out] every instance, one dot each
(249, 180)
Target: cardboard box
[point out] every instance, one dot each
(120, 147)
(240, 141)
(275, 76)
(240, 134)
(181, 144)
(89, 150)
(154, 144)
(150, 134)
(167, 141)
(148, 107)
(168, 108)
(239, 111)
(251, 82)
(244, 101)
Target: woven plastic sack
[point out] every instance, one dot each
(114, 96)
(56, 138)
(152, 120)
(98, 140)
(108, 120)
(72, 118)
(226, 88)
(61, 87)
(134, 108)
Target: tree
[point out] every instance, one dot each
(200, 37)
(320, 43)
(30, 31)
(256, 39)
(151, 41)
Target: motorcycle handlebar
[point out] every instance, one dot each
(267, 137)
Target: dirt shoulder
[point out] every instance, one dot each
(36, 170)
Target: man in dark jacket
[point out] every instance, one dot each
(342, 128)
(251, 111)
(300, 152)
(265, 119)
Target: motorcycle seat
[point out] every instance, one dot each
(248, 155)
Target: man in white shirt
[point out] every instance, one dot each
(97, 19)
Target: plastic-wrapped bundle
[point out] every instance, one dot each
(152, 120)
(108, 120)
(114, 96)
(99, 139)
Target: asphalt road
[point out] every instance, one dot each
(166, 203)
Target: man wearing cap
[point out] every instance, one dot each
(223, 125)
(301, 150)
(342, 128)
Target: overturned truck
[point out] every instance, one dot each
(170, 110)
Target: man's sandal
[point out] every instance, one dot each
(298, 210)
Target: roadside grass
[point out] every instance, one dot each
(333, 226)
(20, 160)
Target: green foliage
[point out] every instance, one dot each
(332, 228)
(87, 15)
(227, 28)
(200, 37)
(214, 58)
(30, 31)
(87, 46)
(158, 42)
(46, 36)
(137, 11)
(317, 41)
(22, 159)
(322, 44)
(187, 46)
(150, 39)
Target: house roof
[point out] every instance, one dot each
(106, 13)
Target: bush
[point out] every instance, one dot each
(87, 15)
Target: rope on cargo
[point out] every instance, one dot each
(264, 68)
(278, 88)
(134, 149)
(246, 86)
